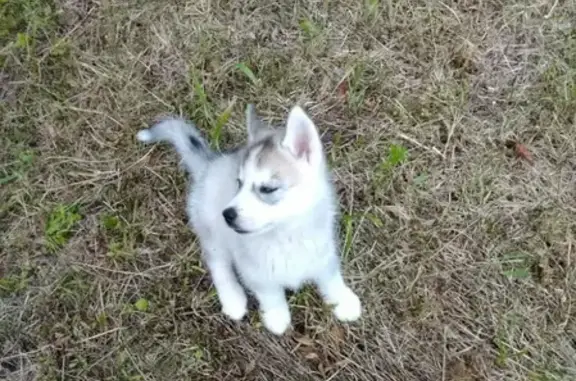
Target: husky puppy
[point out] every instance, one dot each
(264, 214)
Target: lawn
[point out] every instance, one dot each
(451, 130)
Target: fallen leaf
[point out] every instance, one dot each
(522, 152)
(322, 369)
(312, 356)
(459, 371)
(305, 341)
(337, 332)
(250, 367)
(342, 88)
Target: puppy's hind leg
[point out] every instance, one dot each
(230, 293)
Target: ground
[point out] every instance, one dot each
(451, 130)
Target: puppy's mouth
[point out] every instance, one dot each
(238, 229)
(261, 230)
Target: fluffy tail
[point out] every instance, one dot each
(187, 140)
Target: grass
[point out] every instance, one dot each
(462, 252)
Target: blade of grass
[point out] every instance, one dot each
(248, 73)
(221, 122)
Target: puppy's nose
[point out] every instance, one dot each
(230, 215)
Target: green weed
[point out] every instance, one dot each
(17, 170)
(397, 155)
(59, 225)
(142, 305)
(121, 238)
(309, 28)
(421, 179)
(516, 265)
(356, 93)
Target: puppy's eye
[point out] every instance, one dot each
(267, 190)
(239, 183)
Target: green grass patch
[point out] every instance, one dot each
(205, 113)
(14, 283)
(24, 23)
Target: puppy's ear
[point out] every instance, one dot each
(255, 126)
(301, 137)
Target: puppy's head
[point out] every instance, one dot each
(279, 175)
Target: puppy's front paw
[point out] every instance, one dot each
(347, 306)
(234, 307)
(277, 320)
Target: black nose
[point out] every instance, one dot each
(229, 215)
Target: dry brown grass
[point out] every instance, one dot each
(463, 253)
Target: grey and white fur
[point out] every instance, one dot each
(267, 210)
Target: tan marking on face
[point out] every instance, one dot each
(269, 157)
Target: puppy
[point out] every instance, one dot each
(266, 209)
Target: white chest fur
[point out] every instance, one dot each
(287, 261)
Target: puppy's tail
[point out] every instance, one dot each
(187, 140)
